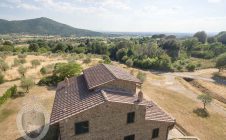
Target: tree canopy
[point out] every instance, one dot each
(63, 70)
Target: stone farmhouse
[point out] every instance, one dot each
(105, 103)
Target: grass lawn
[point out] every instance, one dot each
(181, 108)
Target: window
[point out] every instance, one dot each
(130, 117)
(130, 137)
(155, 133)
(81, 127)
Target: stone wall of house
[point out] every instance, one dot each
(120, 84)
(108, 121)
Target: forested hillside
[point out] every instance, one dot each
(42, 26)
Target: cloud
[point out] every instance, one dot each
(18, 4)
(214, 1)
(27, 6)
(109, 4)
(157, 11)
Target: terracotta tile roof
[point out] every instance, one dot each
(74, 99)
(122, 97)
(103, 73)
(121, 74)
(155, 113)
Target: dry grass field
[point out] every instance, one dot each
(44, 95)
(181, 108)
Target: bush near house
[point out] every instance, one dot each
(9, 93)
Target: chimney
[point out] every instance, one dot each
(140, 96)
(67, 83)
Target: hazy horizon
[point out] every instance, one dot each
(174, 16)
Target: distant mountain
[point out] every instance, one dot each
(42, 26)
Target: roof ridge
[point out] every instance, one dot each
(119, 68)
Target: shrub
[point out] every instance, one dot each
(141, 76)
(22, 55)
(129, 62)
(191, 67)
(106, 59)
(49, 81)
(43, 70)
(87, 60)
(16, 62)
(13, 90)
(22, 70)
(9, 93)
(1, 78)
(22, 60)
(124, 58)
(3, 65)
(35, 63)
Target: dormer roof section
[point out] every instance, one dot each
(103, 73)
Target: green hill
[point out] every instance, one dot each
(42, 26)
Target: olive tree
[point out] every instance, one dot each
(3, 65)
(205, 99)
(22, 70)
(27, 84)
(35, 63)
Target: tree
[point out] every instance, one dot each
(205, 99)
(35, 63)
(172, 47)
(191, 67)
(22, 70)
(33, 47)
(221, 37)
(211, 39)
(60, 47)
(27, 84)
(106, 59)
(63, 70)
(221, 61)
(141, 76)
(120, 53)
(129, 62)
(202, 36)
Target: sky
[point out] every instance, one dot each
(124, 15)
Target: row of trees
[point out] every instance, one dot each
(157, 52)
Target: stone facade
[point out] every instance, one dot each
(120, 85)
(108, 121)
